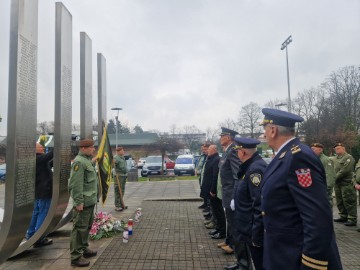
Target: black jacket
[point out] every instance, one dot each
(248, 218)
(210, 176)
(43, 180)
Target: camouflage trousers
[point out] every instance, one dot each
(122, 181)
(79, 238)
(345, 196)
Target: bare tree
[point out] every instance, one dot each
(249, 117)
(191, 137)
(75, 128)
(173, 129)
(275, 103)
(165, 144)
(138, 129)
(344, 86)
(212, 134)
(45, 127)
(229, 123)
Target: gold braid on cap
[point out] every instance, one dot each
(266, 121)
(237, 147)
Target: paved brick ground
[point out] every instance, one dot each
(170, 235)
(348, 240)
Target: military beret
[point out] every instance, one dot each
(86, 143)
(279, 117)
(339, 144)
(206, 144)
(317, 145)
(228, 131)
(119, 148)
(245, 143)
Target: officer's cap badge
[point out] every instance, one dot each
(304, 177)
(255, 178)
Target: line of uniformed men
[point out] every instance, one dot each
(277, 217)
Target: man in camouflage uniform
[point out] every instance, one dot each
(121, 173)
(345, 193)
(83, 188)
(329, 169)
(357, 179)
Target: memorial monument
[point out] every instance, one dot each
(22, 121)
(21, 128)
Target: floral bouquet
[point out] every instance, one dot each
(105, 225)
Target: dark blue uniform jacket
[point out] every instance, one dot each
(298, 226)
(248, 218)
(229, 168)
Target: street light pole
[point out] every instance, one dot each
(284, 46)
(116, 125)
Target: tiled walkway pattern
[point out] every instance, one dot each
(170, 235)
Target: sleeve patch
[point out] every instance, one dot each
(255, 178)
(304, 177)
(76, 166)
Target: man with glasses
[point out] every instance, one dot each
(298, 227)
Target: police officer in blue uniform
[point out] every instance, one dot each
(298, 228)
(248, 225)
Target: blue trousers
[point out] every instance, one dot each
(41, 208)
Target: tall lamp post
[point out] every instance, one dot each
(284, 46)
(116, 125)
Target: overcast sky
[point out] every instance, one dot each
(192, 62)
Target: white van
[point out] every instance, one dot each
(184, 164)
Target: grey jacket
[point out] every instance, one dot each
(228, 166)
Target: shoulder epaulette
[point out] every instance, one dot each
(295, 149)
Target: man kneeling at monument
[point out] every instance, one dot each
(83, 190)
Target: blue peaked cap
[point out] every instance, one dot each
(246, 142)
(228, 131)
(279, 117)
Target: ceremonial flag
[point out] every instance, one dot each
(104, 161)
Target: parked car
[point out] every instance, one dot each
(141, 162)
(196, 159)
(130, 163)
(2, 171)
(170, 164)
(153, 166)
(184, 164)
